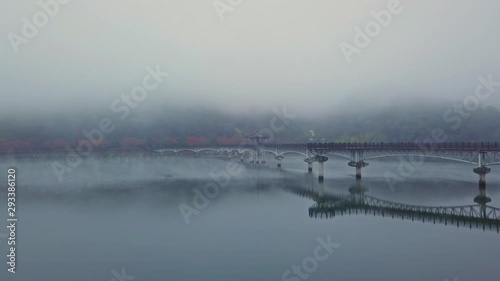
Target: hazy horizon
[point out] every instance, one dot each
(263, 55)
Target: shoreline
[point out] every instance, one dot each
(64, 153)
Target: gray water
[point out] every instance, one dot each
(114, 214)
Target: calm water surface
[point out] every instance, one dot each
(123, 213)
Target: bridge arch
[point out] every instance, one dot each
(270, 152)
(340, 156)
(165, 150)
(185, 149)
(421, 155)
(293, 152)
(207, 149)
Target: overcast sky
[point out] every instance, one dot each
(264, 54)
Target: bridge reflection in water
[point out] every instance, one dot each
(478, 215)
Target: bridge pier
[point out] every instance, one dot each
(279, 158)
(357, 188)
(321, 170)
(482, 171)
(357, 192)
(358, 166)
(309, 163)
(358, 163)
(321, 190)
(260, 158)
(310, 160)
(481, 198)
(254, 157)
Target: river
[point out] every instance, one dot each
(143, 218)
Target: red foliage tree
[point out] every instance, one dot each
(196, 140)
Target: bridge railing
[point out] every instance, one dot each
(456, 146)
(427, 146)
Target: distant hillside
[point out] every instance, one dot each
(201, 126)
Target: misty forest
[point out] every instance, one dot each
(202, 126)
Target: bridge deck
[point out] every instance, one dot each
(449, 146)
(445, 146)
